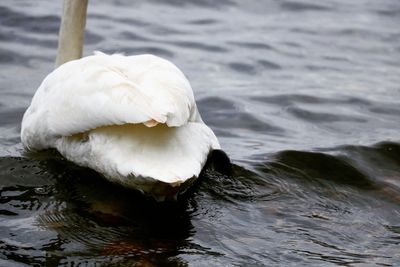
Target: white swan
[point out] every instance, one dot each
(131, 118)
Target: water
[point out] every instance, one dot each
(304, 97)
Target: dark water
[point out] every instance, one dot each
(304, 97)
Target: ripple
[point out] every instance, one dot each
(243, 67)
(38, 24)
(224, 114)
(291, 99)
(15, 171)
(11, 116)
(336, 58)
(164, 30)
(344, 166)
(269, 65)
(200, 3)
(199, 46)
(244, 185)
(392, 111)
(301, 6)
(11, 36)
(222, 103)
(322, 117)
(92, 38)
(10, 57)
(127, 21)
(7, 213)
(253, 45)
(203, 22)
(395, 230)
(321, 67)
(325, 166)
(393, 12)
(127, 35)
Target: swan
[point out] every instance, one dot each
(133, 119)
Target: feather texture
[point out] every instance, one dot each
(131, 118)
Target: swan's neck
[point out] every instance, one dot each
(70, 43)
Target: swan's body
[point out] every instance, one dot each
(131, 118)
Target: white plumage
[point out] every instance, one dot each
(131, 118)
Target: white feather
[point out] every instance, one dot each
(98, 110)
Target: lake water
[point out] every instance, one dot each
(304, 96)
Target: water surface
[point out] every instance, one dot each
(304, 97)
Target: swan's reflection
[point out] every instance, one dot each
(92, 217)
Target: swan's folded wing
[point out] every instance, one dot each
(168, 154)
(103, 90)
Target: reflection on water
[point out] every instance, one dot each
(294, 205)
(303, 97)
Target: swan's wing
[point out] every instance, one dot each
(167, 154)
(103, 90)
